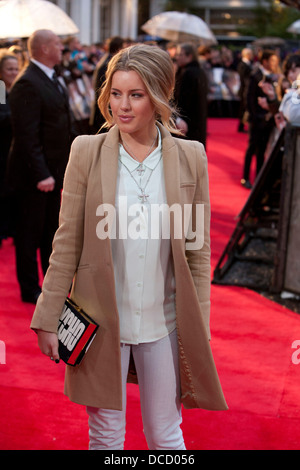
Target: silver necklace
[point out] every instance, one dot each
(143, 197)
(140, 168)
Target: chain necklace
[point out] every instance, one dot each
(132, 154)
(143, 197)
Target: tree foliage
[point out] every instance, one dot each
(272, 20)
(180, 5)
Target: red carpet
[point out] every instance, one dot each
(252, 340)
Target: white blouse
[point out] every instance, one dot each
(143, 264)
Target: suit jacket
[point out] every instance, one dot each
(78, 253)
(191, 99)
(5, 139)
(41, 130)
(257, 115)
(244, 70)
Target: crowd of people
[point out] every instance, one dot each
(99, 122)
(261, 83)
(270, 100)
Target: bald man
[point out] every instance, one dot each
(38, 157)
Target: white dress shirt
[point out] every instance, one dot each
(49, 72)
(143, 265)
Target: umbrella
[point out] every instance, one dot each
(294, 27)
(20, 18)
(269, 42)
(179, 27)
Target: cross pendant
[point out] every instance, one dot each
(140, 169)
(143, 197)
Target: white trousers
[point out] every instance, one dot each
(157, 368)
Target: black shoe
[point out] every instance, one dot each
(246, 183)
(30, 298)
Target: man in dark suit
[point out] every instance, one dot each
(38, 157)
(190, 94)
(261, 121)
(244, 69)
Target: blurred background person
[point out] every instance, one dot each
(37, 160)
(190, 94)
(113, 45)
(283, 100)
(9, 69)
(291, 71)
(20, 53)
(79, 55)
(260, 119)
(244, 69)
(289, 109)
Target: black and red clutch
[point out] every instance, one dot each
(76, 332)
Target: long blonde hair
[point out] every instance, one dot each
(156, 70)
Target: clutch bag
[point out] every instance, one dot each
(76, 331)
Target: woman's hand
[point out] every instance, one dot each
(268, 89)
(48, 344)
(263, 103)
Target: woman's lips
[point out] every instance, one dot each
(125, 118)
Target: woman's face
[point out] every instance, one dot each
(293, 73)
(130, 103)
(10, 70)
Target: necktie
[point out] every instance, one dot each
(57, 83)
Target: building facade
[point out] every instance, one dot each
(98, 20)
(227, 17)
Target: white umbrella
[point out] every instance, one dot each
(179, 27)
(20, 18)
(294, 27)
(269, 41)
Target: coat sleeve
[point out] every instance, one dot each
(68, 241)
(199, 258)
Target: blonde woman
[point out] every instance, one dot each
(149, 294)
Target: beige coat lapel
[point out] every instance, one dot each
(171, 167)
(109, 166)
(171, 164)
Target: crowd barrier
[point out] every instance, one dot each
(263, 251)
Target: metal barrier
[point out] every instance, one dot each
(263, 251)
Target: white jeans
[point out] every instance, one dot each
(159, 383)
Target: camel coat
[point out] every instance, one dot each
(82, 259)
